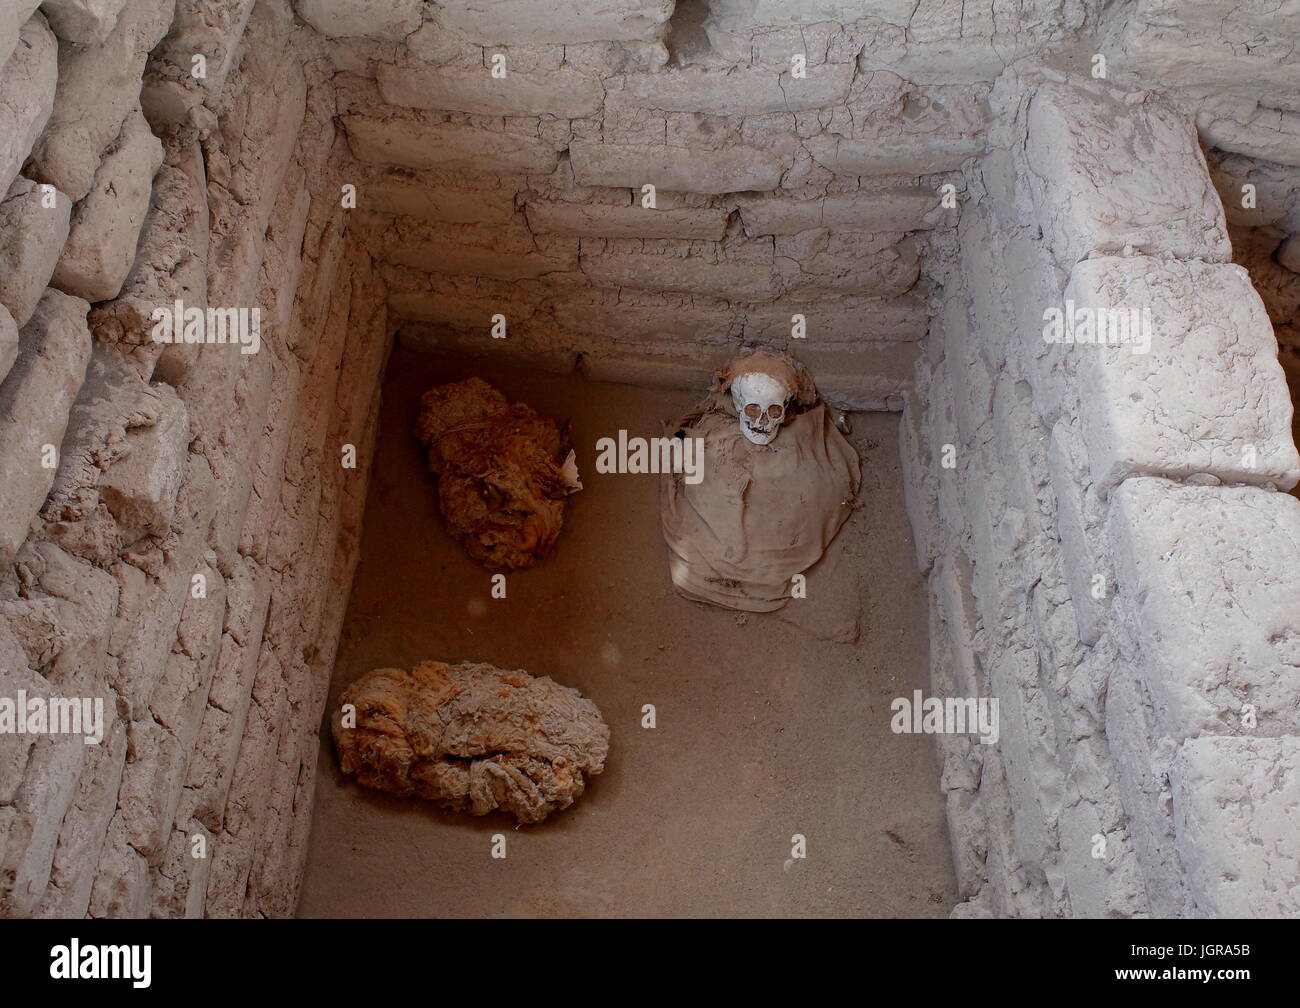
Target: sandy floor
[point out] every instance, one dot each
(764, 731)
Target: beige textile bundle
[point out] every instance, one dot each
(762, 513)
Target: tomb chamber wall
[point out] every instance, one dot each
(179, 526)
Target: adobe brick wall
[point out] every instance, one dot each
(173, 462)
(1112, 554)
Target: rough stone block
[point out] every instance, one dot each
(920, 154)
(738, 92)
(113, 400)
(140, 488)
(66, 626)
(180, 886)
(153, 616)
(1207, 396)
(447, 146)
(967, 53)
(1272, 134)
(387, 20)
(732, 281)
(567, 94)
(540, 352)
(181, 694)
(8, 341)
(48, 788)
(471, 313)
(534, 22)
(1083, 556)
(1079, 141)
(32, 235)
(1192, 43)
(481, 260)
(1033, 774)
(171, 262)
(868, 376)
(955, 609)
(213, 29)
(1208, 577)
(13, 17)
(15, 748)
(27, 87)
(248, 595)
(657, 323)
(738, 28)
(1276, 202)
(151, 785)
(1288, 253)
(839, 321)
(589, 220)
(242, 214)
(81, 838)
(630, 166)
(215, 751)
(888, 211)
(816, 263)
(670, 369)
(86, 22)
(750, 13)
(436, 203)
(1099, 887)
(99, 85)
(122, 885)
(284, 266)
(1236, 807)
(34, 403)
(1025, 280)
(106, 224)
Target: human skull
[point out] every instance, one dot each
(760, 401)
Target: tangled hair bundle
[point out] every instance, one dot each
(500, 485)
(472, 738)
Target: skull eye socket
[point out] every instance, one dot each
(776, 411)
(753, 411)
